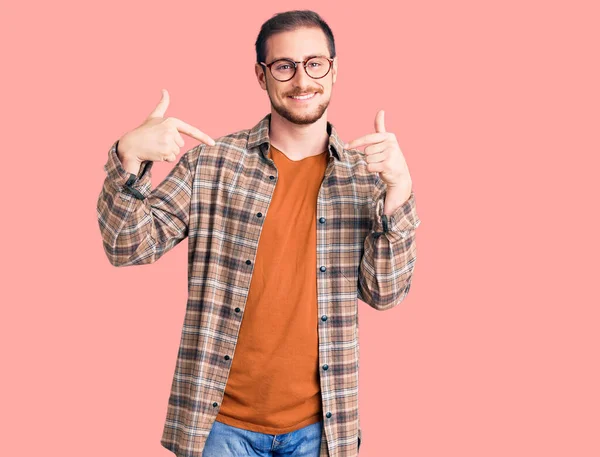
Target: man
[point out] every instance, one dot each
(288, 227)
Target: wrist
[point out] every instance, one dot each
(129, 162)
(395, 197)
(132, 166)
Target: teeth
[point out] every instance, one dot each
(304, 97)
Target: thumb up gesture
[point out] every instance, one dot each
(383, 155)
(158, 138)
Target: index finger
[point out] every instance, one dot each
(189, 130)
(369, 138)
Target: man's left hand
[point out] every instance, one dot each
(384, 156)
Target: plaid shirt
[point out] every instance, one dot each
(215, 195)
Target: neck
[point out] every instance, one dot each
(298, 141)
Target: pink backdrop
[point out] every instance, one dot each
(496, 350)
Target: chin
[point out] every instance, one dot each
(300, 115)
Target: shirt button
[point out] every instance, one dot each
(248, 262)
(259, 215)
(324, 317)
(237, 310)
(215, 404)
(328, 414)
(325, 367)
(322, 220)
(271, 178)
(322, 268)
(226, 357)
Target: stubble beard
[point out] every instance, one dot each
(301, 115)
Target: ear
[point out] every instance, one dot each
(334, 68)
(260, 75)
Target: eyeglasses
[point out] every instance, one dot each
(284, 69)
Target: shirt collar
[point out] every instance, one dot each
(259, 134)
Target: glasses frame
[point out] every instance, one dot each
(295, 63)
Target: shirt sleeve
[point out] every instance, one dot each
(139, 224)
(389, 254)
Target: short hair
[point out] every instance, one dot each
(286, 22)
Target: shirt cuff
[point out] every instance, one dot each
(403, 221)
(137, 185)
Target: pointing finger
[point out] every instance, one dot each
(369, 138)
(179, 140)
(192, 131)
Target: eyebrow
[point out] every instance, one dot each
(305, 57)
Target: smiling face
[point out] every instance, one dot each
(298, 45)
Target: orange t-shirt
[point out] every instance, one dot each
(273, 385)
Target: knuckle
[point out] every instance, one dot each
(170, 122)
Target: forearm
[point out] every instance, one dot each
(138, 224)
(389, 253)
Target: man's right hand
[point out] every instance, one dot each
(157, 139)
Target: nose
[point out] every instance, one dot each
(301, 75)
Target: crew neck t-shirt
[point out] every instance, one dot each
(273, 385)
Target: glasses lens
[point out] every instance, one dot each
(317, 67)
(282, 69)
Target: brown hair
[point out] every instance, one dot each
(288, 21)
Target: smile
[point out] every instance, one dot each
(303, 97)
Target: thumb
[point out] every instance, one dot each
(162, 106)
(379, 126)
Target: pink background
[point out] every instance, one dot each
(496, 107)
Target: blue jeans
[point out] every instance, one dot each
(228, 441)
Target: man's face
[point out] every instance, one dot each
(298, 45)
